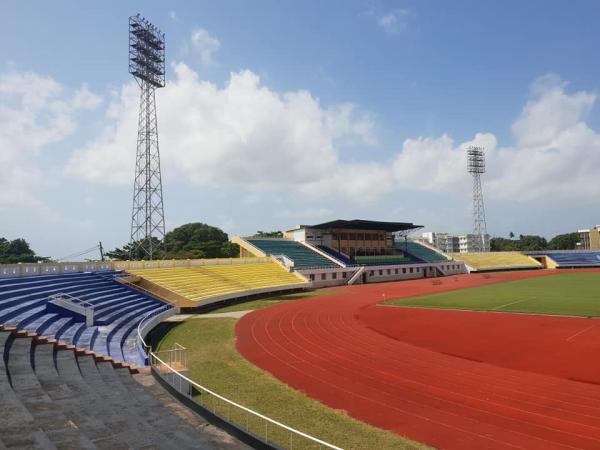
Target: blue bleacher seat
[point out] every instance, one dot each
(118, 310)
(337, 255)
(576, 258)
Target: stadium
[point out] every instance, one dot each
(397, 335)
(343, 334)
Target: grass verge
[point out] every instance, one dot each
(272, 300)
(215, 363)
(574, 294)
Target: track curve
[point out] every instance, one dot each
(352, 355)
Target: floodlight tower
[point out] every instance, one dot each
(147, 65)
(476, 166)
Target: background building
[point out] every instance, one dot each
(589, 238)
(464, 243)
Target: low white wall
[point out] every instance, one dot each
(36, 269)
(386, 272)
(53, 268)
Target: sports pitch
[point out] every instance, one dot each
(572, 294)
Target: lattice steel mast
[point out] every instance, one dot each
(147, 65)
(476, 166)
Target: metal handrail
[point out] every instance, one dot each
(72, 299)
(243, 408)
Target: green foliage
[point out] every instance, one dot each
(122, 254)
(17, 251)
(504, 245)
(524, 243)
(189, 241)
(269, 234)
(567, 241)
(198, 240)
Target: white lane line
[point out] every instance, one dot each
(508, 304)
(580, 332)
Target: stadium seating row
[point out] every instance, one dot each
(574, 259)
(118, 310)
(335, 254)
(205, 282)
(55, 398)
(302, 256)
(497, 260)
(420, 251)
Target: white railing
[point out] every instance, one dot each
(74, 304)
(356, 275)
(148, 322)
(287, 262)
(261, 427)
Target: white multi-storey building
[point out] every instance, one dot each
(464, 243)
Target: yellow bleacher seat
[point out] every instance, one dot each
(200, 283)
(497, 260)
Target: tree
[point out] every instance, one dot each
(269, 234)
(122, 254)
(189, 241)
(17, 251)
(511, 235)
(566, 241)
(524, 243)
(503, 245)
(529, 243)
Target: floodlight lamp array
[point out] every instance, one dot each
(475, 159)
(146, 51)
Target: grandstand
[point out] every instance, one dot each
(421, 252)
(477, 262)
(203, 284)
(117, 310)
(302, 256)
(566, 259)
(57, 398)
(344, 259)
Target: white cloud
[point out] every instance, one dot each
(394, 21)
(35, 112)
(241, 135)
(248, 136)
(205, 45)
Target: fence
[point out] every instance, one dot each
(261, 427)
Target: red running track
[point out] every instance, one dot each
(413, 372)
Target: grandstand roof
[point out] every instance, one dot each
(358, 224)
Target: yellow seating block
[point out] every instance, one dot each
(199, 283)
(497, 260)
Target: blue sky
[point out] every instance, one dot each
(380, 96)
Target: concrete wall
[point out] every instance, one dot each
(377, 274)
(36, 269)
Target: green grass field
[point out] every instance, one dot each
(270, 301)
(573, 294)
(215, 363)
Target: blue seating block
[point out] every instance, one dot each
(118, 310)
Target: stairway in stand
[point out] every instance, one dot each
(55, 397)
